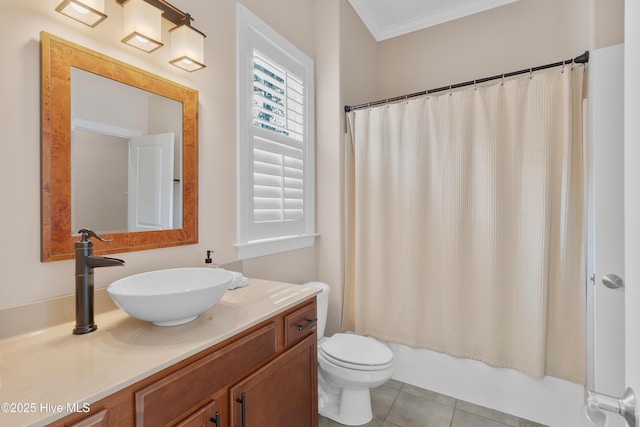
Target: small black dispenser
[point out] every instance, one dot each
(208, 260)
(85, 263)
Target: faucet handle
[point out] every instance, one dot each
(86, 234)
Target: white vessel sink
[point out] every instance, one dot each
(170, 297)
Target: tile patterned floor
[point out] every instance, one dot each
(397, 404)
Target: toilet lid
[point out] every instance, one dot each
(356, 350)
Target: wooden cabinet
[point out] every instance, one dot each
(268, 373)
(169, 398)
(98, 419)
(204, 416)
(282, 393)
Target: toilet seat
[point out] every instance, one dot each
(356, 352)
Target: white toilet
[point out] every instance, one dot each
(348, 366)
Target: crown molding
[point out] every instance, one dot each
(431, 16)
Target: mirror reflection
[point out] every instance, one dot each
(119, 154)
(126, 147)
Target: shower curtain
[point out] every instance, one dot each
(466, 224)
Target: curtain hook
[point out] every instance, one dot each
(562, 71)
(450, 93)
(475, 87)
(530, 73)
(502, 82)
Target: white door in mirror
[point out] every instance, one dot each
(150, 194)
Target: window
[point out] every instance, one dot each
(276, 185)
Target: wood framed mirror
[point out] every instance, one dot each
(92, 103)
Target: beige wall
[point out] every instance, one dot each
(99, 159)
(519, 35)
(355, 71)
(608, 23)
(345, 70)
(24, 277)
(351, 68)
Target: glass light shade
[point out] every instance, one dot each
(89, 12)
(187, 48)
(142, 25)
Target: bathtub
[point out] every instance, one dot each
(549, 401)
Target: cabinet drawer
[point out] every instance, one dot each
(174, 395)
(300, 323)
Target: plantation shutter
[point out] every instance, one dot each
(278, 118)
(276, 201)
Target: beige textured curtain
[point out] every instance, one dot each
(465, 224)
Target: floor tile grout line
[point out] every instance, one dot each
(391, 407)
(455, 408)
(393, 403)
(453, 413)
(480, 416)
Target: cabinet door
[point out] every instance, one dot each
(282, 393)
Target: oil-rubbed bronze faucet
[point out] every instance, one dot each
(85, 263)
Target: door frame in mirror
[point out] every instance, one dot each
(58, 56)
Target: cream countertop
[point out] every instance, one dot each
(51, 367)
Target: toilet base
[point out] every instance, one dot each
(344, 390)
(345, 406)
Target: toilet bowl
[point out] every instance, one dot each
(349, 365)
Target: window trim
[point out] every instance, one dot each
(252, 33)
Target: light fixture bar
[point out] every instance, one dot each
(187, 43)
(169, 12)
(143, 27)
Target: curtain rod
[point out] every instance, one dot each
(582, 59)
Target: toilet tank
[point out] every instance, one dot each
(322, 306)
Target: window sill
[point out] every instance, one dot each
(273, 246)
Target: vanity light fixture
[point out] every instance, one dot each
(89, 12)
(187, 47)
(187, 43)
(142, 25)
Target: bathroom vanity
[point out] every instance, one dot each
(249, 360)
